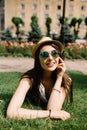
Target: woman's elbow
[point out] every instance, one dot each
(11, 113)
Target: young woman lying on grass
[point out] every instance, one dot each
(46, 85)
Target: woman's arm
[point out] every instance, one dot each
(15, 109)
(58, 95)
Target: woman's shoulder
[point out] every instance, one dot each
(25, 84)
(27, 77)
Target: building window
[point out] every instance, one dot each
(34, 7)
(1, 22)
(22, 15)
(82, 16)
(58, 16)
(83, 8)
(71, 8)
(2, 14)
(23, 6)
(70, 16)
(47, 7)
(71, 0)
(46, 15)
(59, 7)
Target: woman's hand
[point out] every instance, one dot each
(63, 115)
(61, 67)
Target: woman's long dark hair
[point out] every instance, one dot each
(36, 73)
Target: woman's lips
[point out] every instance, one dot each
(51, 64)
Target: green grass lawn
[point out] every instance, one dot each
(78, 120)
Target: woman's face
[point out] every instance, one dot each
(49, 58)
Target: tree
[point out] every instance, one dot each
(75, 23)
(47, 23)
(61, 20)
(7, 35)
(17, 22)
(85, 20)
(79, 21)
(65, 35)
(35, 34)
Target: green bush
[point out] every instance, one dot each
(74, 51)
(18, 55)
(4, 54)
(16, 51)
(67, 55)
(13, 49)
(78, 57)
(83, 52)
(2, 49)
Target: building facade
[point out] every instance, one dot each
(42, 8)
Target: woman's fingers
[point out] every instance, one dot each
(63, 115)
(61, 67)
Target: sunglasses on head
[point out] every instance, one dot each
(45, 54)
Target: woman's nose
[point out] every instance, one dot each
(50, 56)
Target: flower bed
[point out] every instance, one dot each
(14, 49)
(76, 51)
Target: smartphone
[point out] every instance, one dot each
(59, 61)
